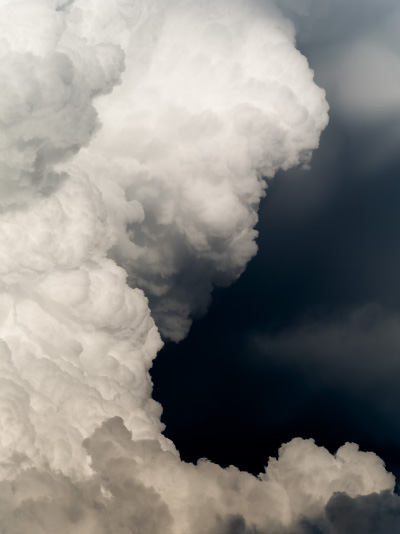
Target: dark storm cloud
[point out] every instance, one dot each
(353, 46)
(188, 164)
(343, 329)
(366, 514)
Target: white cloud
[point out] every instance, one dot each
(76, 341)
(214, 97)
(355, 49)
(138, 487)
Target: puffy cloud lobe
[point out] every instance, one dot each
(371, 80)
(172, 186)
(219, 99)
(49, 78)
(378, 512)
(111, 501)
(136, 487)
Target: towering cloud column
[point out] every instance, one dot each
(215, 98)
(163, 198)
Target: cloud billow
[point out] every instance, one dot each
(187, 141)
(212, 99)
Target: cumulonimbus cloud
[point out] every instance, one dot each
(138, 487)
(188, 139)
(213, 97)
(359, 71)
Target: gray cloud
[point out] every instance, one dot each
(355, 50)
(378, 512)
(357, 349)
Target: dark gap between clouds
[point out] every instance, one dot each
(329, 243)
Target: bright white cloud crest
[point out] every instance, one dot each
(214, 97)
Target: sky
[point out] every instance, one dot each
(198, 236)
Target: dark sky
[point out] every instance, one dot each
(306, 343)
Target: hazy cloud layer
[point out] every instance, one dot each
(360, 70)
(355, 353)
(49, 77)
